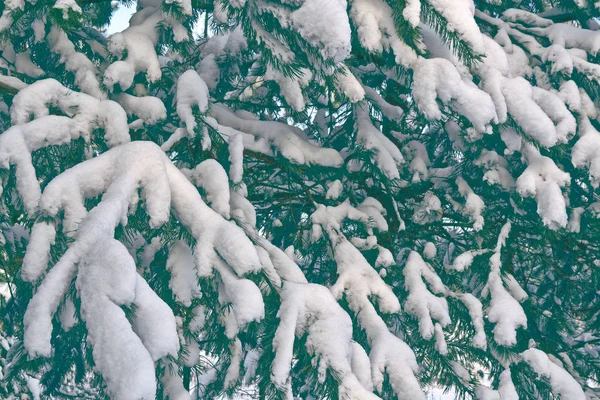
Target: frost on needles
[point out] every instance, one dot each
(362, 199)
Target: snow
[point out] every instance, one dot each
(154, 322)
(139, 40)
(485, 393)
(334, 189)
(496, 169)
(570, 36)
(24, 65)
(584, 152)
(543, 180)
(504, 311)
(236, 158)
(17, 143)
(562, 383)
(324, 24)
(476, 313)
(106, 280)
(430, 209)
(183, 282)
(516, 15)
(312, 310)
(244, 296)
(474, 204)
(66, 5)
(391, 111)
(106, 274)
(289, 140)
(429, 250)
(150, 109)
(34, 386)
(420, 301)
(172, 384)
(84, 69)
(211, 176)
(440, 341)
(191, 92)
(68, 315)
(416, 152)
(536, 110)
(438, 78)
(360, 283)
(507, 389)
(350, 86)
(377, 30)
(119, 72)
(384, 153)
(87, 111)
(459, 14)
(233, 371)
(412, 12)
(36, 257)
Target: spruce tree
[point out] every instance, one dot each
(300, 199)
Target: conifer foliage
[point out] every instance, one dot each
(312, 199)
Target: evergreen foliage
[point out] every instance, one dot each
(403, 196)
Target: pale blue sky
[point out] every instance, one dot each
(120, 19)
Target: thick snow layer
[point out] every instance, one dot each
(350, 86)
(119, 173)
(17, 143)
(474, 204)
(154, 322)
(416, 152)
(184, 281)
(459, 14)
(496, 169)
(24, 65)
(244, 296)
(516, 15)
(107, 280)
(191, 92)
(86, 111)
(360, 283)
(429, 250)
(36, 257)
(437, 78)
(324, 24)
(383, 152)
(507, 389)
(377, 30)
(585, 152)
(543, 180)
(148, 108)
(562, 383)
(571, 36)
(119, 72)
(139, 40)
(537, 110)
(420, 301)
(85, 70)
(440, 342)
(236, 159)
(505, 311)
(211, 176)
(311, 309)
(412, 12)
(289, 140)
(334, 189)
(476, 313)
(172, 384)
(290, 87)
